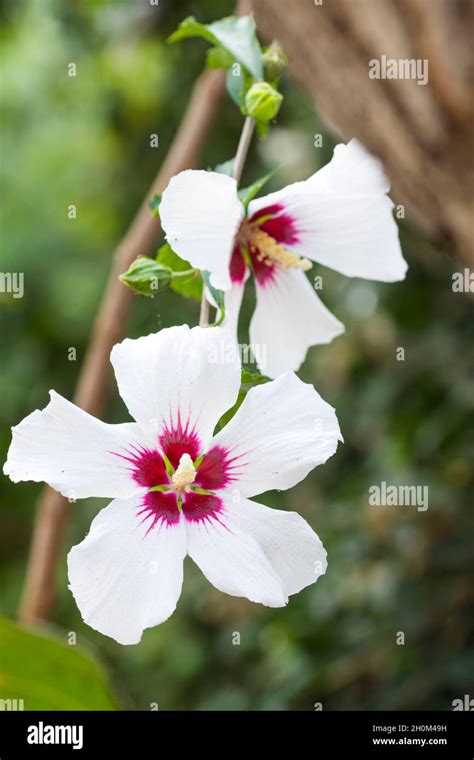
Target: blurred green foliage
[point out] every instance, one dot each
(85, 140)
(48, 674)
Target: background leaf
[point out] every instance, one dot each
(236, 35)
(218, 58)
(237, 85)
(49, 675)
(190, 287)
(246, 194)
(154, 204)
(227, 167)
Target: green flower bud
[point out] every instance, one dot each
(274, 61)
(262, 102)
(147, 277)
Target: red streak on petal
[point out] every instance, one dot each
(177, 440)
(217, 469)
(282, 226)
(201, 508)
(147, 466)
(157, 508)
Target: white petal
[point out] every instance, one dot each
(72, 451)
(288, 542)
(343, 218)
(282, 431)
(289, 318)
(178, 373)
(123, 578)
(353, 168)
(201, 213)
(233, 561)
(233, 302)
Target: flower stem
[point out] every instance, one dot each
(243, 148)
(239, 163)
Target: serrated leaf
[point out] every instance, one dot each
(246, 194)
(236, 35)
(154, 204)
(189, 287)
(147, 276)
(48, 674)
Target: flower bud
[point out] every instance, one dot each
(262, 102)
(274, 61)
(147, 277)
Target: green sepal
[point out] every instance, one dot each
(202, 491)
(169, 467)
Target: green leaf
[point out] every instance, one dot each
(226, 168)
(253, 377)
(192, 28)
(218, 296)
(230, 413)
(48, 674)
(249, 379)
(154, 204)
(218, 58)
(190, 287)
(246, 194)
(236, 35)
(238, 85)
(147, 277)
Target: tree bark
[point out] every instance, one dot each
(422, 133)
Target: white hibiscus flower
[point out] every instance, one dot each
(177, 488)
(340, 217)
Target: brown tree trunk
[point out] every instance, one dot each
(422, 133)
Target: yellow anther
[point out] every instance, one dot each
(270, 253)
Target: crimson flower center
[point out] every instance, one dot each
(178, 480)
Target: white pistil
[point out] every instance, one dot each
(184, 475)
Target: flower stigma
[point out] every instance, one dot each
(184, 476)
